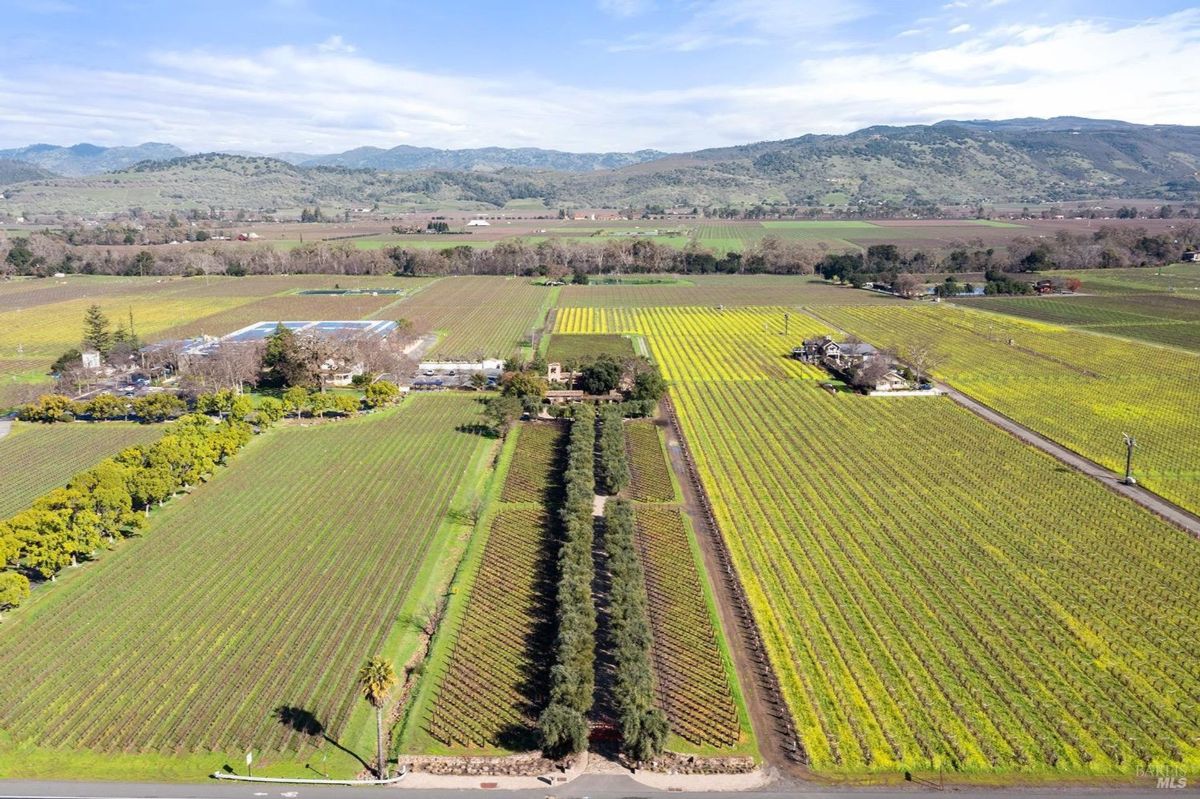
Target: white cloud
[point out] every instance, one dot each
(335, 44)
(963, 28)
(624, 8)
(325, 98)
(720, 23)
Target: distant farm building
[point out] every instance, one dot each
(556, 374)
(840, 355)
(491, 367)
(857, 362)
(891, 381)
(339, 372)
(1191, 256)
(457, 374)
(479, 223)
(90, 359)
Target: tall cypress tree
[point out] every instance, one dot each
(97, 334)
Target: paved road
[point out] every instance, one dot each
(1147, 499)
(586, 787)
(5, 427)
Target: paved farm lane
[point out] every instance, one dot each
(1147, 499)
(5, 427)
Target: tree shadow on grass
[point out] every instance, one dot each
(306, 723)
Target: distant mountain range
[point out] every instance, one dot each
(952, 162)
(405, 159)
(89, 159)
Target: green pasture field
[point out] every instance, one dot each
(178, 652)
(1182, 279)
(1159, 317)
(565, 349)
(35, 457)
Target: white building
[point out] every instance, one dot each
(492, 367)
(479, 223)
(91, 359)
(340, 373)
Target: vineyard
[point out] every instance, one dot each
(35, 458)
(956, 600)
(284, 307)
(714, 290)
(647, 463)
(40, 319)
(707, 343)
(1159, 318)
(535, 472)
(694, 682)
(949, 600)
(30, 292)
(692, 678)
(485, 316)
(488, 678)
(250, 602)
(1080, 389)
(49, 330)
(494, 683)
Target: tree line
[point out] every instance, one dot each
(563, 723)
(614, 464)
(1108, 246)
(283, 360)
(111, 501)
(224, 403)
(644, 727)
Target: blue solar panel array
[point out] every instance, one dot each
(331, 329)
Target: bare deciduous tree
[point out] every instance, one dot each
(922, 356)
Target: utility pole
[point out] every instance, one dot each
(1130, 443)
(787, 318)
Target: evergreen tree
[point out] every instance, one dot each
(97, 334)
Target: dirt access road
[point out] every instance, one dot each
(769, 717)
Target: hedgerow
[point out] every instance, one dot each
(563, 724)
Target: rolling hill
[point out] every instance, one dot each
(979, 161)
(89, 159)
(406, 158)
(18, 171)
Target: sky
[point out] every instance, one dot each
(580, 75)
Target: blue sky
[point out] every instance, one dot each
(576, 74)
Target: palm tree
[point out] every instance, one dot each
(375, 679)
